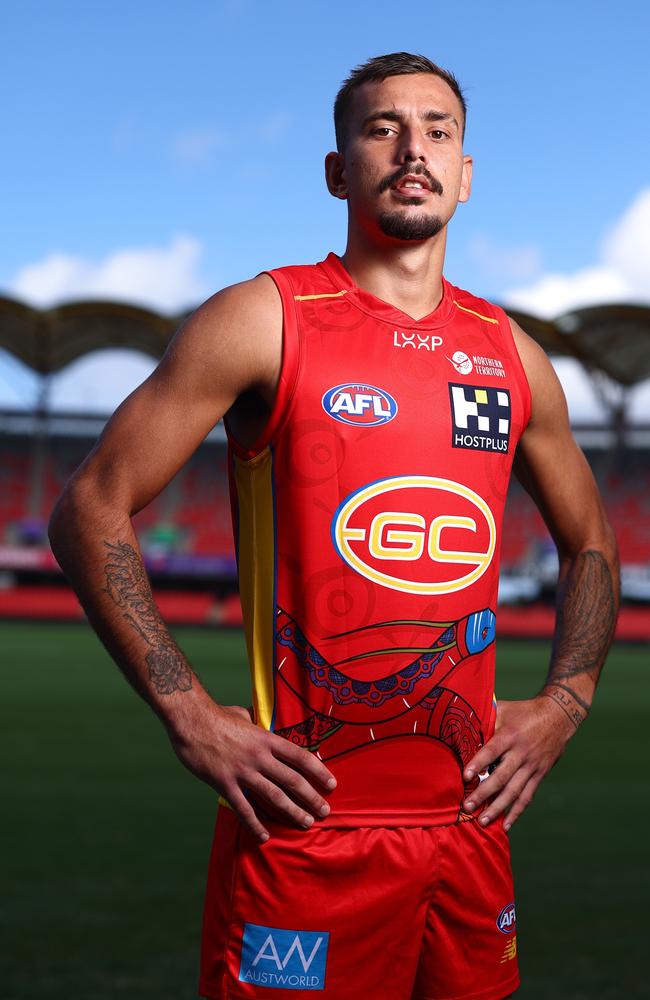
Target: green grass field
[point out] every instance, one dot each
(107, 837)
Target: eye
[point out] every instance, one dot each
(383, 130)
(438, 133)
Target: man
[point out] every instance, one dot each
(374, 412)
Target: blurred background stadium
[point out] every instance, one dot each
(153, 153)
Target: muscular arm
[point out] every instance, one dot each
(556, 474)
(531, 735)
(228, 349)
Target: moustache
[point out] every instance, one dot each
(391, 181)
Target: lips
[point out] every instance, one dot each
(412, 182)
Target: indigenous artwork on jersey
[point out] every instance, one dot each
(410, 701)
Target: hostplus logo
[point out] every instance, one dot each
(283, 959)
(480, 417)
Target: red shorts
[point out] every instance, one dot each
(374, 913)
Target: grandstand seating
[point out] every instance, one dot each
(523, 529)
(192, 515)
(15, 479)
(185, 535)
(204, 505)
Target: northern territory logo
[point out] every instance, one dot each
(416, 534)
(478, 363)
(480, 417)
(359, 404)
(283, 959)
(461, 362)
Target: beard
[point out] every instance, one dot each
(411, 227)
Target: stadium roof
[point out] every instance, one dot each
(612, 339)
(47, 340)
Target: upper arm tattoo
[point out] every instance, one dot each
(127, 584)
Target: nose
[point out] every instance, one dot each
(413, 145)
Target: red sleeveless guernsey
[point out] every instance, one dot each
(368, 523)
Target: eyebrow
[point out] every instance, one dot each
(396, 116)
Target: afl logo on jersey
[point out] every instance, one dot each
(416, 534)
(506, 921)
(356, 403)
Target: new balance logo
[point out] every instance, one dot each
(283, 959)
(480, 417)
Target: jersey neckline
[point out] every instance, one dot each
(369, 303)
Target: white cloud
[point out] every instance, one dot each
(161, 278)
(553, 294)
(627, 247)
(621, 274)
(508, 263)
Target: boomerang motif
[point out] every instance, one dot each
(349, 699)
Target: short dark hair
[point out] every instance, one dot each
(377, 70)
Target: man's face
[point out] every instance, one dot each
(402, 170)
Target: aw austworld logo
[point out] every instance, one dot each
(283, 959)
(360, 404)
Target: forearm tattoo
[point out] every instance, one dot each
(586, 619)
(127, 584)
(573, 706)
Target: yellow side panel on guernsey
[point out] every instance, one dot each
(254, 482)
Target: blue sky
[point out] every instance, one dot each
(156, 151)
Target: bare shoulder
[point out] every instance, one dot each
(228, 346)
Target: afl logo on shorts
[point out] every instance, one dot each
(356, 403)
(506, 921)
(416, 534)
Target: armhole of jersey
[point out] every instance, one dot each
(524, 384)
(289, 366)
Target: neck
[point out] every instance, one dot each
(407, 275)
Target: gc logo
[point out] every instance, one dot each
(420, 545)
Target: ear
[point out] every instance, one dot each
(466, 179)
(335, 175)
